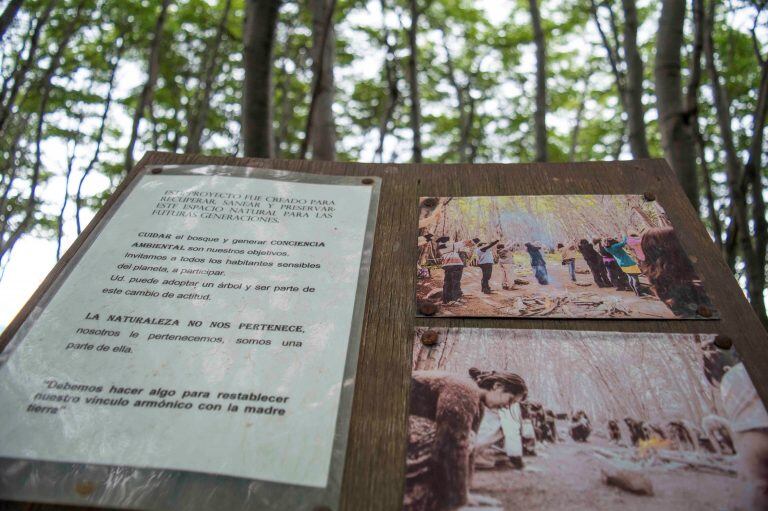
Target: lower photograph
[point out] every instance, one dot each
(546, 419)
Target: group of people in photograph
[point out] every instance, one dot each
(614, 262)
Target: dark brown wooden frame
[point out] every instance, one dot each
(373, 476)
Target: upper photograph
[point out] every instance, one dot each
(557, 256)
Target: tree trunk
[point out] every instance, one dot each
(413, 80)
(322, 130)
(674, 120)
(634, 83)
(393, 92)
(579, 118)
(148, 91)
(100, 133)
(8, 15)
(203, 105)
(739, 232)
(539, 117)
(20, 76)
(753, 176)
(258, 42)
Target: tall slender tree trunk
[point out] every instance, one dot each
(8, 15)
(539, 117)
(638, 142)
(148, 90)
(753, 176)
(19, 77)
(739, 235)
(202, 106)
(100, 133)
(258, 42)
(322, 130)
(674, 119)
(692, 109)
(413, 81)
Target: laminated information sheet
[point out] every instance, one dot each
(204, 327)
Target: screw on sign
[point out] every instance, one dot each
(704, 311)
(723, 342)
(429, 202)
(649, 196)
(428, 309)
(429, 338)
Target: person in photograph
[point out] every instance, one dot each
(581, 427)
(568, 256)
(671, 273)
(503, 423)
(617, 277)
(538, 264)
(506, 264)
(634, 243)
(748, 419)
(456, 405)
(626, 263)
(484, 257)
(595, 263)
(453, 266)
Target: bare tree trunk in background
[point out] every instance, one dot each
(258, 41)
(65, 201)
(638, 142)
(148, 91)
(540, 116)
(203, 105)
(393, 92)
(692, 109)
(753, 177)
(8, 15)
(738, 176)
(100, 134)
(579, 117)
(322, 130)
(19, 77)
(413, 80)
(674, 119)
(317, 82)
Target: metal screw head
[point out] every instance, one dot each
(156, 170)
(429, 338)
(704, 311)
(649, 196)
(367, 181)
(427, 309)
(429, 202)
(84, 488)
(723, 342)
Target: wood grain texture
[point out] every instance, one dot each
(375, 463)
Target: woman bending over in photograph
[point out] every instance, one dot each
(456, 405)
(538, 264)
(625, 262)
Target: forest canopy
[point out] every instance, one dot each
(89, 85)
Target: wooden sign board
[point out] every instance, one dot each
(374, 470)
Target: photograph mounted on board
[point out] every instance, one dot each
(557, 256)
(544, 419)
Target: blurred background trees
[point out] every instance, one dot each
(89, 85)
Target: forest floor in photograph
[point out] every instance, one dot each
(571, 475)
(560, 298)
